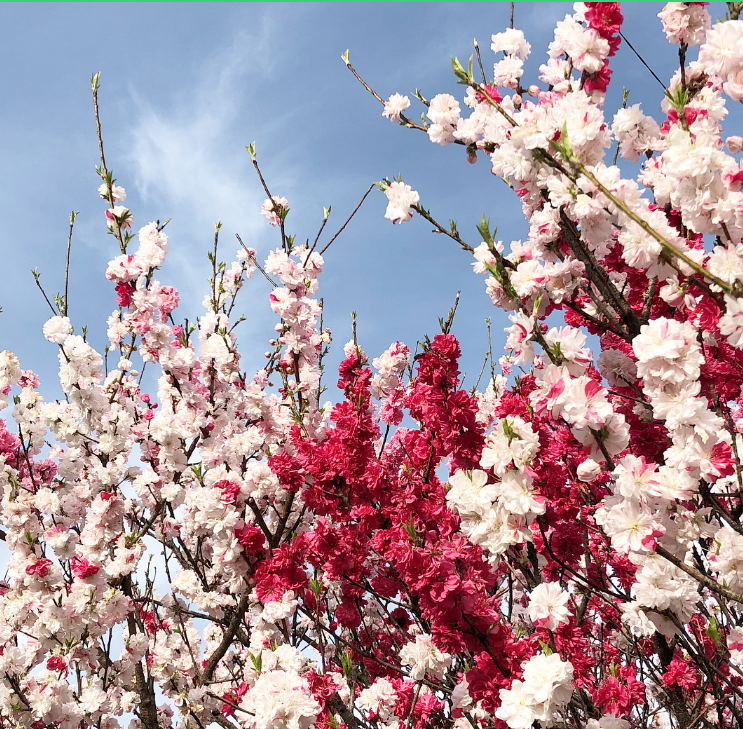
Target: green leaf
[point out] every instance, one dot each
(713, 631)
(411, 530)
(509, 432)
(459, 71)
(563, 145)
(346, 663)
(344, 58)
(547, 650)
(678, 98)
(316, 588)
(484, 230)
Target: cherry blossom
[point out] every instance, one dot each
(191, 544)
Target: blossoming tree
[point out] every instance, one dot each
(564, 547)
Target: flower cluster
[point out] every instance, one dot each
(607, 494)
(564, 546)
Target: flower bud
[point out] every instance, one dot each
(588, 470)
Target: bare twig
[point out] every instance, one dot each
(479, 61)
(348, 220)
(36, 276)
(276, 207)
(454, 235)
(642, 60)
(325, 217)
(73, 216)
(258, 265)
(95, 83)
(403, 119)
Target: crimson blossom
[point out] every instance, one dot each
(563, 548)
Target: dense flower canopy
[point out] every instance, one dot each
(563, 546)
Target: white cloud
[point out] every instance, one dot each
(188, 161)
(187, 152)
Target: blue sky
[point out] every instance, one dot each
(184, 87)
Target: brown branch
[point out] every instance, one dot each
(227, 638)
(708, 582)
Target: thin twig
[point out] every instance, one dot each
(482, 369)
(276, 207)
(409, 722)
(479, 61)
(708, 582)
(317, 237)
(73, 216)
(446, 326)
(440, 228)
(672, 250)
(642, 60)
(348, 220)
(258, 265)
(46, 298)
(403, 119)
(104, 170)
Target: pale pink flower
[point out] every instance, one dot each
(401, 198)
(395, 106)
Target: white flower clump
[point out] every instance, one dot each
(424, 659)
(511, 443)
(548, 605)
(494, 515)
(685, 22)
(57, 329)
(401, 198)
(395, 106)
(379, 699)
(280, 699)
(545, 689)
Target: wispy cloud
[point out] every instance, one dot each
(188, 161)
(187, 154)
